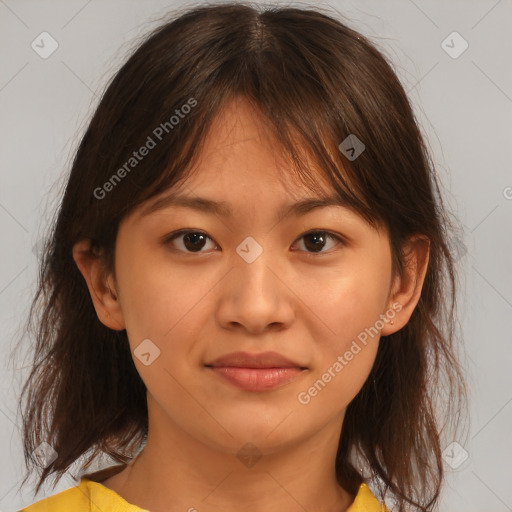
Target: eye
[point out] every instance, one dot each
(193, 241)
(316, 240)
(189, 241)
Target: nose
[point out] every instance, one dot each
(256, 296)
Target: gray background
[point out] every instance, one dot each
(464, 105)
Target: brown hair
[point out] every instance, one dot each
(317, 81)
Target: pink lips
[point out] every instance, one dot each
(256, 372)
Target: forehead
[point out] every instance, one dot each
(241, 166)
(240, 149)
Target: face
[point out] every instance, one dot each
(313, 287)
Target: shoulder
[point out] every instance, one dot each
(70, 499)
(365, 501)
(87, 496)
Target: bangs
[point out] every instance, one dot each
(307, 133)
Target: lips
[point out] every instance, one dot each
(256, 372)
(261, 360)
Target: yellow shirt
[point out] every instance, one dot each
(89, 496)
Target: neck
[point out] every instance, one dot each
(164, 477)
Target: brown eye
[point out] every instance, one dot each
(189, 241)
(316, 241)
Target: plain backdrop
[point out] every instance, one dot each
(463, 103)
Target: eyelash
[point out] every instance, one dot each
(182, 232)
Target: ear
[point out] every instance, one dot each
(101, 286)
(406, 288)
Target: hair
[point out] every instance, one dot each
(316, 81)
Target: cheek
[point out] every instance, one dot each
(163, 305)
(354, 299)
(145, 295)
(336, 384)
(351, 307)
(343, 360)
(154, 297)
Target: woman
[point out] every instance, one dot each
(248, 289)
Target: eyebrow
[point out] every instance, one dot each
(223, 209)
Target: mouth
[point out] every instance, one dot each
(257, 379)
(256, 372)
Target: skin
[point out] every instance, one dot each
(196, 307)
